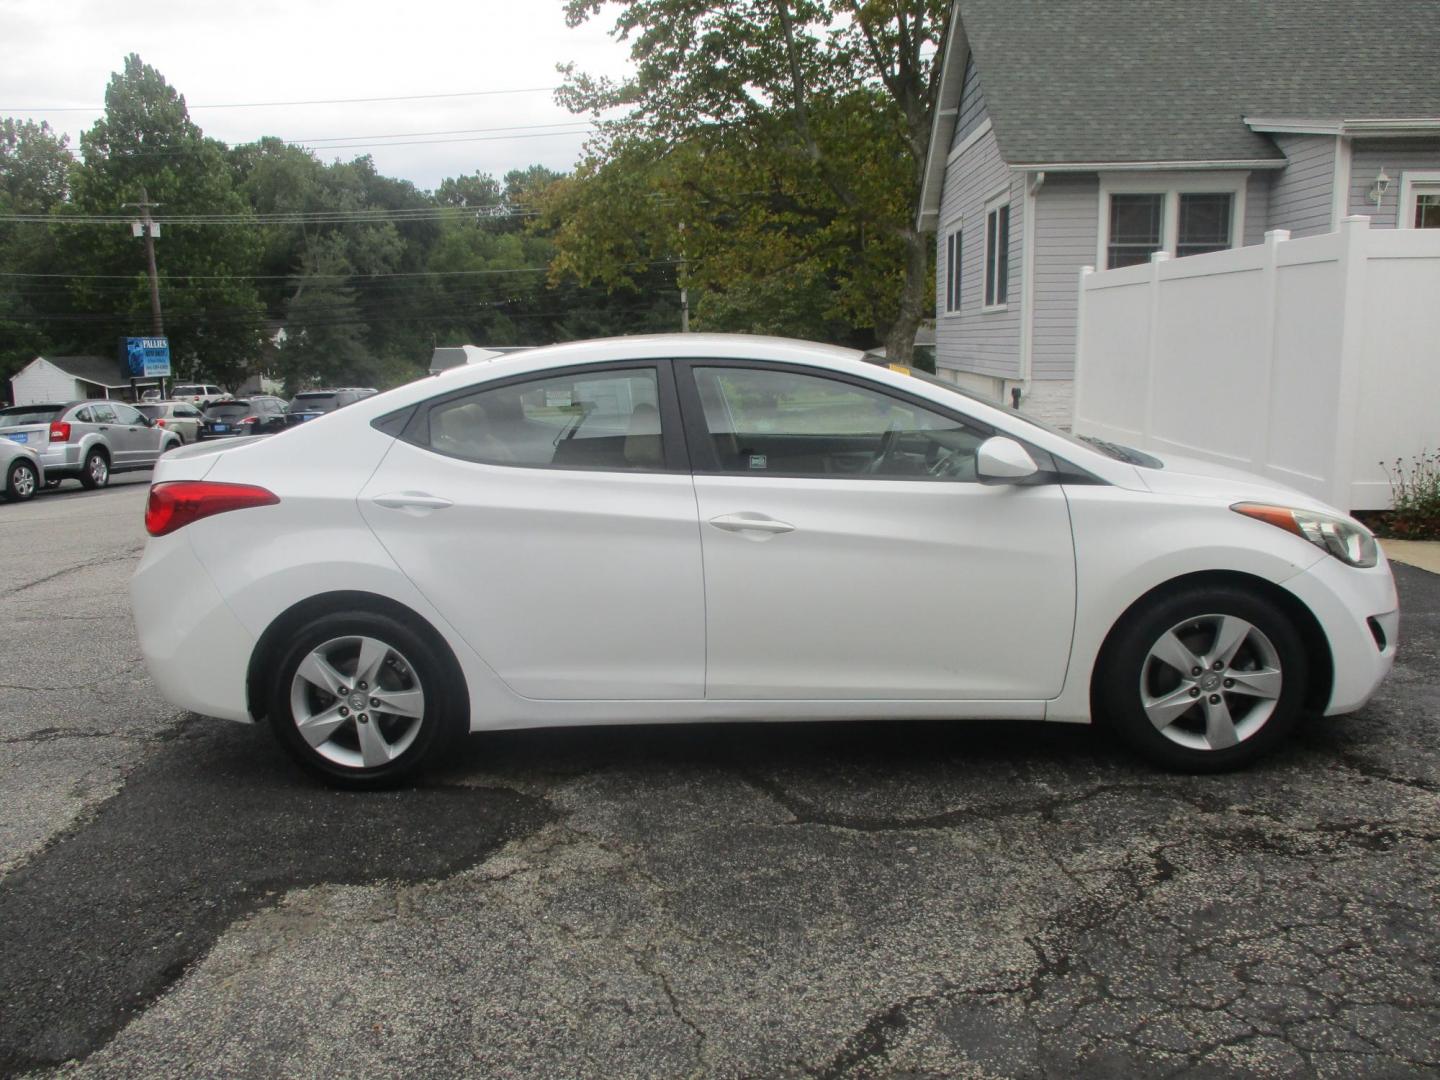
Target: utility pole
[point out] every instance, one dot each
(150, 229)
(684, 292)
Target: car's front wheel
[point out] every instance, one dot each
(1203, 680)
(362, 698)
(21, 481)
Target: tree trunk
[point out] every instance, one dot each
(914, 297)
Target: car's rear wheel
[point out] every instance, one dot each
(363, 699)
(1204, 680)
(96, 471)
(21, 481)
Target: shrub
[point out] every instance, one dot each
(1415, 497)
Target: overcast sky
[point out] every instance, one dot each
(62, 53)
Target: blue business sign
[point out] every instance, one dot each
(147, 357)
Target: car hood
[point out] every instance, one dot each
(1207, 480)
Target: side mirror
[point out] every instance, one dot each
(1002, 459)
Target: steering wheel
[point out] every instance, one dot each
(887, 446)
(953, 464)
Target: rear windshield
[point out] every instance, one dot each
(314, 402)
(154, 412)
(189, 390)
(228, 408)
(29, 414)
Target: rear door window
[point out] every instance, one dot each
(596, 419)
(104, 414)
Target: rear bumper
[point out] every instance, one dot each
(1359, 612)
(194, 647)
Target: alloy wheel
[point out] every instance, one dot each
(22, 481)
(99, 470)
(1211, 682)
(357, 702)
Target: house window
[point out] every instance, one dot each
(1419, 200)
(1427, 210)
(1136, 228)
(997, 255)
(953, 252)
(1204, 223)
(1181, 214)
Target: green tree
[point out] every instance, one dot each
(787, 136)
(34, 168)
(146, 142)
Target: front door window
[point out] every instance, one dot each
(766, 422)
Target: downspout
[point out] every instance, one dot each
(1033, 183)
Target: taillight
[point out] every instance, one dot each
(59, 431)
(160, 422)
(249, 420)
(176, 503)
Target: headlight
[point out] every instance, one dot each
(1346, 539)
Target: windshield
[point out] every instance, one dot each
(228, 408)
(314, 403)
(29, 414)
(1127, 454)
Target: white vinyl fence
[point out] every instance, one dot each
(1309, 361)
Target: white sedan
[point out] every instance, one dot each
(697, 527)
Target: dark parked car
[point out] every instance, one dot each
(313, 403)
(259, 415)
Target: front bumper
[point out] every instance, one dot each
(1345, 600)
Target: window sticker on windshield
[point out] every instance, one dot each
(758, 461)
(559, 399)
(901, 368)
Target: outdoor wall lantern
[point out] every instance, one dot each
(1379, 187)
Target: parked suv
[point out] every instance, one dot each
(260, 415)
(313, 403)
(87, 440)
(202, 393)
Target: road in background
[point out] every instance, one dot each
(827, 900)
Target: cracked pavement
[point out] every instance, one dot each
(803, 900)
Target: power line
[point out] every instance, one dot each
(453, 131)
(287, 104)
(287, 217)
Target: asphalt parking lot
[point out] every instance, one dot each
(808, 900)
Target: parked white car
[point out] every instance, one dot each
(705, 527)
(200, 393)
(22, 471)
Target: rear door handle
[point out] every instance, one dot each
(747, 522)
(411, 500)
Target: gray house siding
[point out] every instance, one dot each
(1257, 209)
(1395, 156)
(972, 106)
(985, 342)
(1067, 216)
(1302, 194)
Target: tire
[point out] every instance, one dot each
(323, 729)
(1203, 718)
(96, 471)
(22, 481)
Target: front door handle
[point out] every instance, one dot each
(411, 500)
(747, 522)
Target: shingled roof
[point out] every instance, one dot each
(99, 370)
(1171, 80)
(1123, 81)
